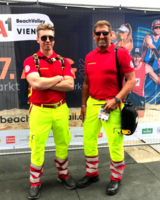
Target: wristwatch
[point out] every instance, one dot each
(117, 100)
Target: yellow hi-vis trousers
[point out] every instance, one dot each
(92, 127)
(41, 121)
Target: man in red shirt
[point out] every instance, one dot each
(141, 70)
(48, 108)
(101, 87)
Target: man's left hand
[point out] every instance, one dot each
(110, 105)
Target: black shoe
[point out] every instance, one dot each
(113, 187)
(68, 183)
(34, 192)
(86, 181)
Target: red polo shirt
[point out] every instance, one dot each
(100, 67)
(47, 70)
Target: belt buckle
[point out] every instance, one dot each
(55, 106)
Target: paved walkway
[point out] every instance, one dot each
(140, 181)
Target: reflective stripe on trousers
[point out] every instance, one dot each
(62, 166)
(117, 169)
(92, 166)
(35, 174)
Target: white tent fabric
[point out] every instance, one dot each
(136, 4)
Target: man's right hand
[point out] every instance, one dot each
(83, 113)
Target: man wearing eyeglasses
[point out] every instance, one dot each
(48, 108)
(101, 87)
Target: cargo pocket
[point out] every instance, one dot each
(116, 144)
(117, 136)
(32, 141)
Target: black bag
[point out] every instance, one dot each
(129, 114)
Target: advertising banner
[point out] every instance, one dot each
(138, 32)
(20, 27)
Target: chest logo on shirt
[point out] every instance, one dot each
(137, 82)
(91, 63)
(131, 64)
(27, 68)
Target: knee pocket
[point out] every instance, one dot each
(32, 141)
(116, 136)
(116, 144)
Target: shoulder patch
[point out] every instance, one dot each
(27, 68)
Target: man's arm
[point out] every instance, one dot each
(85, 95)
(67, 84)
(85, 90)
(148, 42)
(42, 83)
(154, 77)
(128, 86)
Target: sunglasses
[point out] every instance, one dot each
(44, 38)
(103, 32)
(156, 27)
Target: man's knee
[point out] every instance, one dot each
(117, 154)
(90, 148)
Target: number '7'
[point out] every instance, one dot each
(5, 68)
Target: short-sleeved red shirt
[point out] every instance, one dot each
(47, 70)
(100, 67)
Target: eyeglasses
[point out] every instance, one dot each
(103, 32)
(156, 27)
(44, 38)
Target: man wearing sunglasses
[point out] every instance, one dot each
(151, 56)
(151, 46)
(48, 108)
(100, 65)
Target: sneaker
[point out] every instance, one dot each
(86, 181)
(113, 187)
(34, 192)
(68, 183)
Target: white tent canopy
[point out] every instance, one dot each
(136, 4)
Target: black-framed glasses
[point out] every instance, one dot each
(51, 38)
(156, 27)
(104, 33)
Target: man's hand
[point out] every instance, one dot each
(83, 113)
(110, 105)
